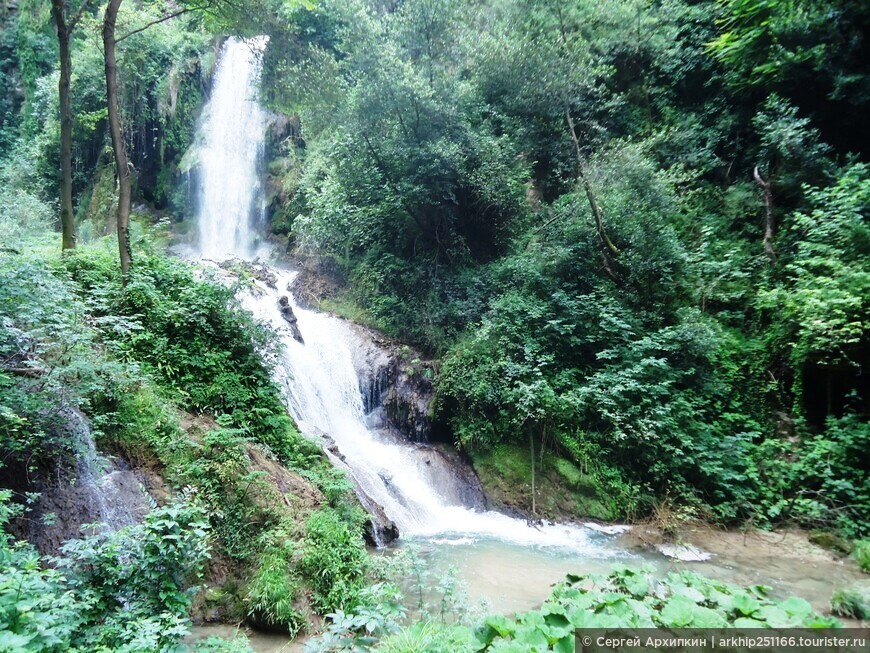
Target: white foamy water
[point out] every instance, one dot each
(233, 130)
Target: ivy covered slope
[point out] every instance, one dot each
(169, 373)
(633, 234)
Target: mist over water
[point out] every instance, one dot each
(233, 130)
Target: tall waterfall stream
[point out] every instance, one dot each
(501, 558)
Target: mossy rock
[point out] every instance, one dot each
(562, 490)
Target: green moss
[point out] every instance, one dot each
(562, 490)
(831, 541)
(568, 471)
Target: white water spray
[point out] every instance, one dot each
(233, 127)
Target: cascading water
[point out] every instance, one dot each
(96, 490)
(416, 489)
(323, 394)
(233, 127)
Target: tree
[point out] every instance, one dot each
(119, 149)
(65, 27)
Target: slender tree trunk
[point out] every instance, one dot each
(608, 249)
(768, 210)
(67, 217)
(122, 165)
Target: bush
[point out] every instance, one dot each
(333, 560)
(123, 591)
(192, 336)
(633, 598)
(861, 553)
(274, 590)
(852, 602)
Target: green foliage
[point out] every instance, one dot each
(665, 368)
(625, 598)
(431, 637)
(274, 590)
(378, 613)
(74, 338)
(192, 336)
(821, 302)
(333, 560)
(861, 553)
(633, 598)
(239, 644)
(852, 602)
(24, 212)
(123, 591)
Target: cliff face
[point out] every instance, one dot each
(84, 490)
(396, 385)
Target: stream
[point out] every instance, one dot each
(502, 560)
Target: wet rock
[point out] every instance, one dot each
(318, 279)
(683, 552)
(290, 318)
(396, 385)
(330, 445)
(84, 488)
(258, 271)
(380, 530)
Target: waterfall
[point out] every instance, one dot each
(96, 489)
(417, 488)
(233, 129)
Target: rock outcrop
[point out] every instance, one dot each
(83, 488)
(290, 318)
(396, 384)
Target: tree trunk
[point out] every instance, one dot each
(67, 217)
(608, 249)
(122, 165)
(768, 210)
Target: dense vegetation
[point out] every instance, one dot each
(632, 235)
(635, 234)
(74, 337)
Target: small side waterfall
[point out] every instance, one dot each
(418, 488)
(96, 489)
(233, 128)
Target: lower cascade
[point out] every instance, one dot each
(412, 488)
(424, 494)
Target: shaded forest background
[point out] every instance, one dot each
(629, 238)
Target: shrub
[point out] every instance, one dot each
(123, 591)
(333, 560)
(273, 591)
(852, 602)
(861, 553)
(192, 336)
